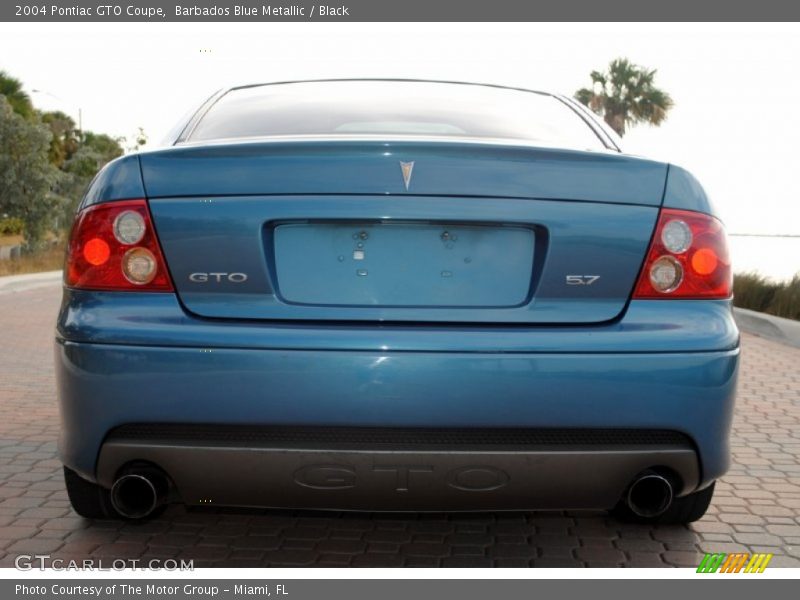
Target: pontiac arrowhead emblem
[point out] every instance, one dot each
(407, 168)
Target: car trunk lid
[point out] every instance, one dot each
(484, 233)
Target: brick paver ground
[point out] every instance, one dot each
(755, 508)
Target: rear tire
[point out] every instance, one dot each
(88, 499)
(686, 509)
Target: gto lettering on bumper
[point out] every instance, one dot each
(478, 478)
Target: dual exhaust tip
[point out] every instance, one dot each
(138, 493)
(650, 495)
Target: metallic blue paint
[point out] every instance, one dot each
(535, 173)
(140, 358)
(684, 192)
(155, 319)
(120, 179)
(233, 234)
(593, 360)
(441, 168)
(118, 384)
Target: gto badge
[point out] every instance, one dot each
(399, 477)
(218, 277)
(407, 168)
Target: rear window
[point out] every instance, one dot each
(392, 109)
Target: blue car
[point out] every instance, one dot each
(400, 296)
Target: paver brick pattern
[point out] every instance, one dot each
(755, 508)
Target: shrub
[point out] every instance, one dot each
(753, 291)
(11, 226)
(786, 302)
(756, 292)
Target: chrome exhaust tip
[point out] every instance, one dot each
(137, 495)
(650, 495)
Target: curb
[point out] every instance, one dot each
(767, 326)
(29, 281)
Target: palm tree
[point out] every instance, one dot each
(11, 88)
(625, 95)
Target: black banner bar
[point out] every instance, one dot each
(399, 10)
(731, 586)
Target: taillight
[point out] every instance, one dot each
(688, 258)
(113, 246)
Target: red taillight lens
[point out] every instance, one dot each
(113, 246)
(688, 258)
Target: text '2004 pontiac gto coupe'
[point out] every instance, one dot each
(395, 295)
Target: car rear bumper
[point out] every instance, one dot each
(104, 386)
(397, 469)
(125, 359)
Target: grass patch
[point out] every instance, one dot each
(51, 259)
(755, 292)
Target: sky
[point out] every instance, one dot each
(735, 124)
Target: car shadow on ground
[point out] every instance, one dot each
(217, 537)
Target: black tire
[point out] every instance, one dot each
(683, 510)
(88, 499)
